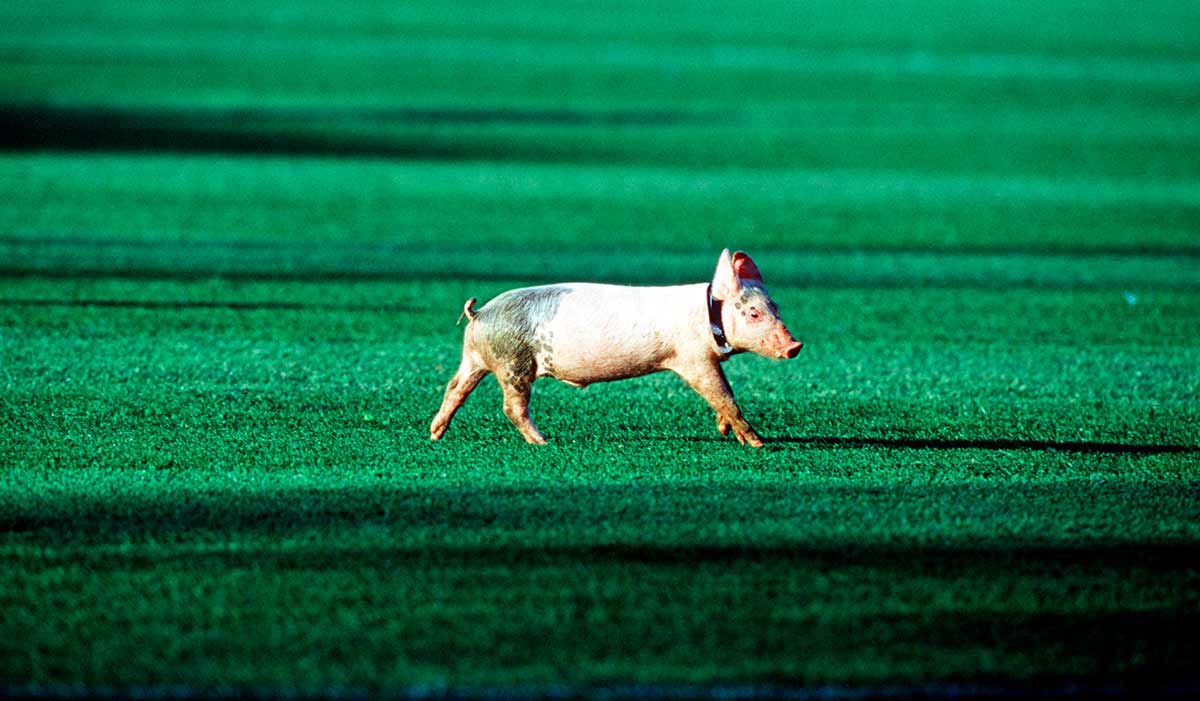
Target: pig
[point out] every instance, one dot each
(581, 333)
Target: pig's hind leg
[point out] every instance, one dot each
(518, 387)
(464, 381)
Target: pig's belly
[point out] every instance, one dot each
(602, 370)
(583, 359)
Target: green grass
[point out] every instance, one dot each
(234, 239)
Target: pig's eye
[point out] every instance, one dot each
(754, 314)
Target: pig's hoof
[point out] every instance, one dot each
(723, 425)
(437, 432)
(751, 439)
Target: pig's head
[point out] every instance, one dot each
(750, 316)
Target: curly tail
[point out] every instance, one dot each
(468, 312)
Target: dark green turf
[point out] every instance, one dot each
(234, 238)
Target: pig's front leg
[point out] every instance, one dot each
(708, 379)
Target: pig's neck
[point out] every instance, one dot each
(716, 324)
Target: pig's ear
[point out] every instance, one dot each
(725, 283)
(745, 268)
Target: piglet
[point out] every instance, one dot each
(582, 333)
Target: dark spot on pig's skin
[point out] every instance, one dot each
(511, 325)
(520, 384)
(543, 342)
(754, 296)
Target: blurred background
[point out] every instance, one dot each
(488, 138)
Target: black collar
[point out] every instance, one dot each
(715, 325)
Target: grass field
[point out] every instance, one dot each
(235, 236)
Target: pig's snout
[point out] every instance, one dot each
(785, 344)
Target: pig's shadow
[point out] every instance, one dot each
(820, 442)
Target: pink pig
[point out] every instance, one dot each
(582, 333)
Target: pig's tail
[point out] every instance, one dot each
(468, 312)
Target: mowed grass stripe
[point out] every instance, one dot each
(1132, 274)
(815, 510)
(174, 306)
(1032, 24)
(243, 179)
(519, 208)
(209, 47)
(778, 140)
(363, 126)
(1148, 690)
(578, 52)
